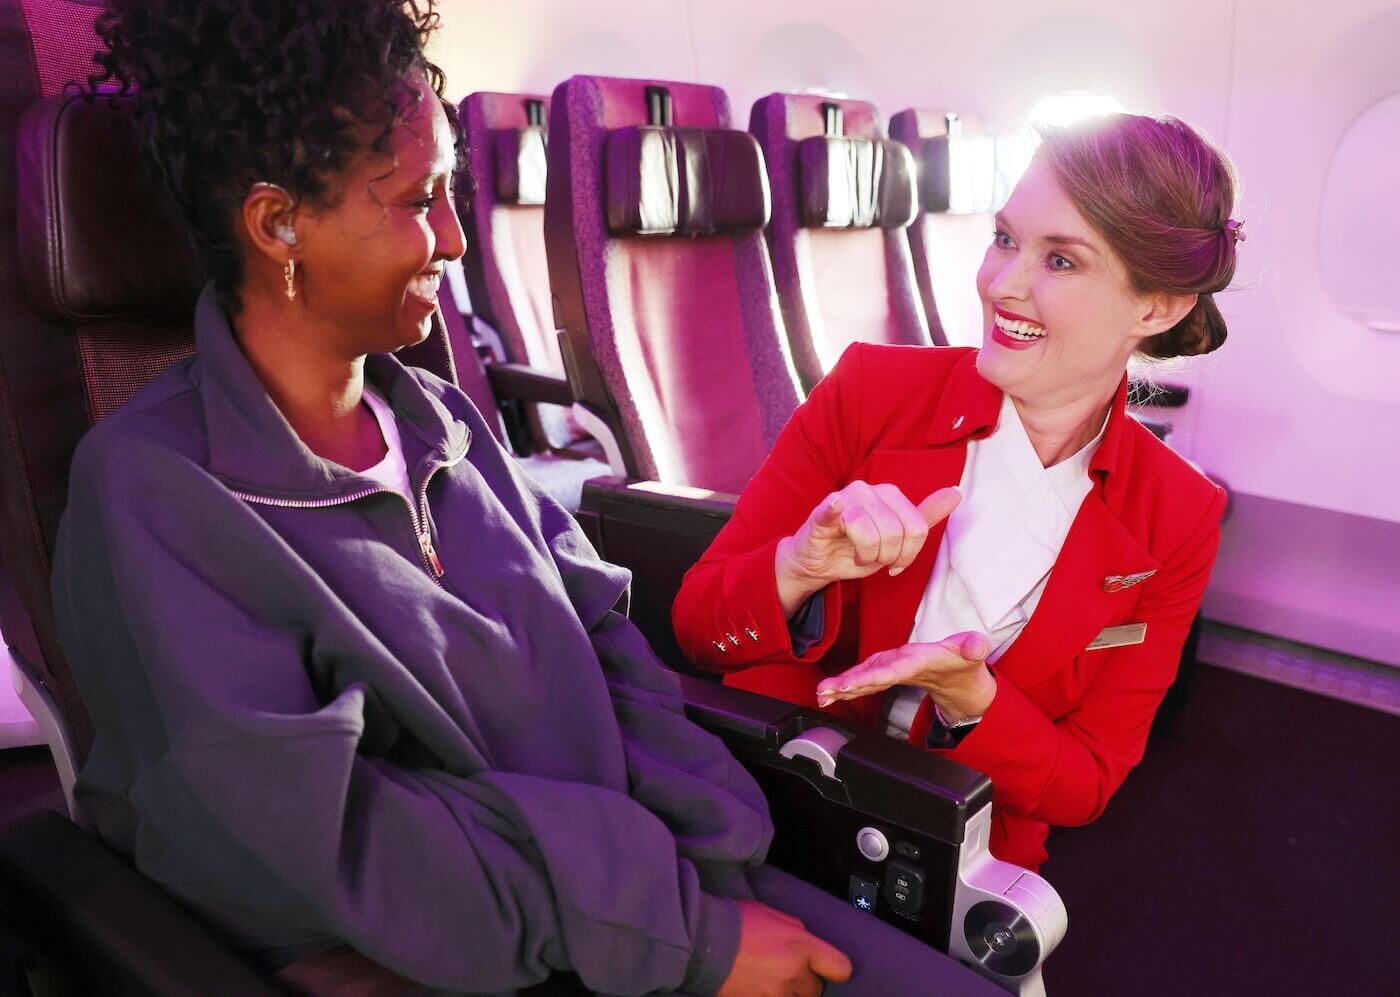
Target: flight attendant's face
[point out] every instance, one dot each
(370, 263)
(1060, 317)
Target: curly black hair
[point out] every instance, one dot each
(228, 93)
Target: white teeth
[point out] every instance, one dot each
(1027, 331)
(425, 286)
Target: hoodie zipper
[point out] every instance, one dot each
(428, 554)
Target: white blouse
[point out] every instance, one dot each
(999, 546)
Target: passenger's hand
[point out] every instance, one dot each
(953, 671)
(854, 533)
(779, 958)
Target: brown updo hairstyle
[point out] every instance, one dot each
(1160, 193)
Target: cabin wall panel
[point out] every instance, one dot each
(1299, 413)
(533, 45)
(1311, 397)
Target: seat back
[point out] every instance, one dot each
(505, 267)
(842, 196)
(653, 225)
(97, 292)
(47, 399)
(504, 224)
(926, 132)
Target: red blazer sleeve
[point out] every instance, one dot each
(1064, 771)
(729, 599)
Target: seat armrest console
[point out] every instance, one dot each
(519, 382)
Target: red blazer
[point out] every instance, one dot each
(1067, 722)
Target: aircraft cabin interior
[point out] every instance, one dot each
(723, 498)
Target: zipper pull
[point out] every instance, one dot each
(425, 541)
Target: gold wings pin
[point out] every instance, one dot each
(1117, 583)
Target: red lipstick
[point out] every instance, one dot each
(1002, 339)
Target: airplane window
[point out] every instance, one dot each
(1360, 215)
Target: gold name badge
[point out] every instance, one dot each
(1128, 633)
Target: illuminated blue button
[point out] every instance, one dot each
(863, 893)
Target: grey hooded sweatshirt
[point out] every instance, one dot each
(304, 733)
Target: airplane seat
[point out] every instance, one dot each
(505, 268)
(925, 132)
(653, 227)
(670, 327)
(842, 196)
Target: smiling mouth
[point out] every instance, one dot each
(425, 285)
(1019, 329)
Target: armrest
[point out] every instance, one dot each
(519, 382)
(657, 532)
(688, 510)
(882, 778)
(72, 900)
(899, 832)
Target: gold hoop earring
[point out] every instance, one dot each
(290, 273)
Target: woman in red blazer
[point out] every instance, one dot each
(1111, 245)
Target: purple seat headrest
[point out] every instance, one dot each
(97, 239)
(521, 165)
(685, 181)
(856, 183)
(933, 173)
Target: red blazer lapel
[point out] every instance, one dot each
(1079, 598)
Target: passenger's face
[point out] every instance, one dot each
(372, 261)
(1050, 270)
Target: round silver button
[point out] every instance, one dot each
(873, 844)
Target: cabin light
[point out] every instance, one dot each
(1067, 108)
(1014, 152)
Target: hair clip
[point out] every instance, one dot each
(1235, 228)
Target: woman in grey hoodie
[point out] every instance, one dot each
(361, 691)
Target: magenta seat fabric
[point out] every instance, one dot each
(505, 260)
(677, 337)
(838, 284)
(505, 266)
(925, 133)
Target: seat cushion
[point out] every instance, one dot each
(562, 478)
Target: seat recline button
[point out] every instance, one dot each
(873, 844)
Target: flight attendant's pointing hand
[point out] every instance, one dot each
(853, 533)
